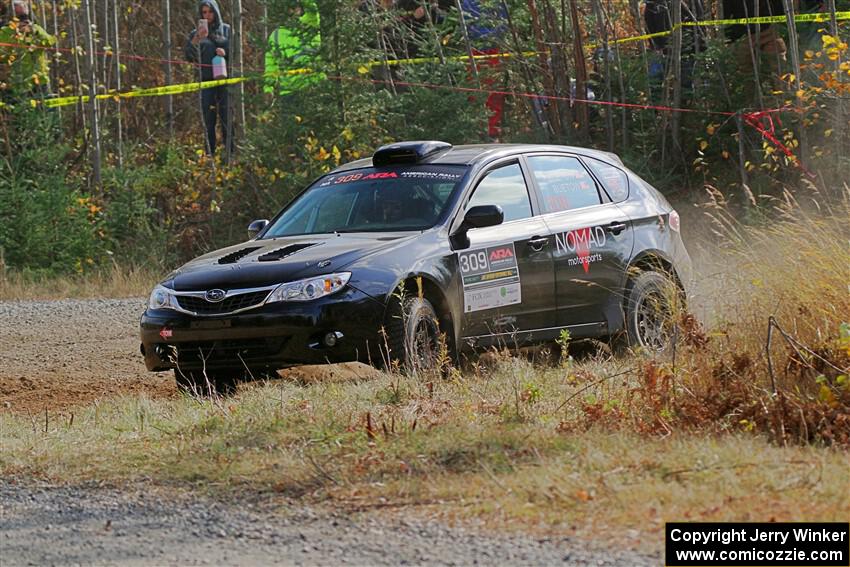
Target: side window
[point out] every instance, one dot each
(614, 179)
(505, 187)
(564, 183)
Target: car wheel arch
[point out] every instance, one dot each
(654, 260)
(433, 292)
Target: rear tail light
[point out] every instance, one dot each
(674, 221)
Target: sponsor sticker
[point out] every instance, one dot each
(490, 278)
(166, 333)
(581, 243)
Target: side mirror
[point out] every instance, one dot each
(256, 227)
(480, 216)
(483, 216)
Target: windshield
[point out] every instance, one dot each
(371, 200)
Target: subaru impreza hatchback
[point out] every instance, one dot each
(379, 259)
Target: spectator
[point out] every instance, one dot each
(769, 41)
(486, 26)
(25, 71)
(202, 45)
(658, 17)
(294, 47)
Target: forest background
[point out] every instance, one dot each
(125, 182)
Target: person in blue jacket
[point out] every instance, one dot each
(202, 45)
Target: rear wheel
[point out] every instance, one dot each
(204, 383)
(653, 304)
(413, 335)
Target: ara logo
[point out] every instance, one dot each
(582, 242)
(501, 254)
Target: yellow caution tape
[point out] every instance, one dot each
(364, 68)
(804, 18)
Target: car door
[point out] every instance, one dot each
(507, 276)
(592, 242)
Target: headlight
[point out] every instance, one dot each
(309, 289)
(161, 298)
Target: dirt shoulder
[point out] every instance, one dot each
(63, 354)
(55, 355)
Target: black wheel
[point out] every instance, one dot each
(413, 335)
(652, 306)
(204, 383)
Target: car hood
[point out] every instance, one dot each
(261, 263)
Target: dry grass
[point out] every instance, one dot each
(487, 446)
(115, 282)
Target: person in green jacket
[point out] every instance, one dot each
(293, 48)
(23, 72)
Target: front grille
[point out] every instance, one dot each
(228, 352)
(201, 306)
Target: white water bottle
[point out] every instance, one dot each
(219, 66)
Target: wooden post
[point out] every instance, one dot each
(93, 102)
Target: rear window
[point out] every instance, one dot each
(383, 199)
(613, 179)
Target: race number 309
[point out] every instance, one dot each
(474, 262)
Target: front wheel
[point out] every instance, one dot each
(413, 335)
(652, 307)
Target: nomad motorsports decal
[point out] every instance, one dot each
(582, 242)
(490, 278)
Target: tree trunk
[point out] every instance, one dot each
(238, 64)
(93, 102)
(545, 71)
(602, 28)
(582, 114)
(78, 74)
(794, 49)
(166, 54)
(117, 58)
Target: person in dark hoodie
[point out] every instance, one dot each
(201, 47)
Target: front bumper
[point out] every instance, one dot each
(269, 337)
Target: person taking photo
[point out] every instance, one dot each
(211, 39)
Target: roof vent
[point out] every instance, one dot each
(234, 257)
(282, 253)
(407, 152)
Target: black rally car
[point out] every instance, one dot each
(483, 243)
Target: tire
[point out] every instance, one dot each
(204, 384)
(652, 307)
(413, 335)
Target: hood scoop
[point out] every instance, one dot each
(284, 252)
(234, 257)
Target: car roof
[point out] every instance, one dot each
(476, 153)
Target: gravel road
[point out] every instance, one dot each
(55, 355)
(43, 525)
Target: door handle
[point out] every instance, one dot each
(616, 227)
(537, 243)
